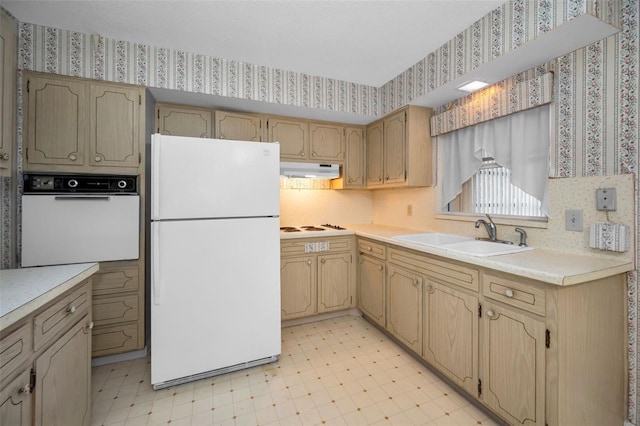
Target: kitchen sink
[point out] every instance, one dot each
(459, 244)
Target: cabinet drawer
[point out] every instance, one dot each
(116, 278)
(15, 349)
(446, 272)
(297, 246)
(114, 339)
(520, 295)
(61, 315)
(115, 309)
(372, 249)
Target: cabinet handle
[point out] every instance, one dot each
(302, 154)
(323, 260)
(71, 309)
(98, 159)
(379, 179)
(4, 156)
(369, 248)
(508, 293)
(25, 389)
(380, 268)
(415, 283)
(73, 157)
(309, 262)
(490, 313)
(88, 327)
(313, 154)
(387, 177)
(430, 288)
(350, 180)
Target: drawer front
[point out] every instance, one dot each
(15, 349)
(373, 248)
(61, 315)
(445, 272)
(520, 295)
(298, 246)
(116, 278)
(114, 339)
(115, 309)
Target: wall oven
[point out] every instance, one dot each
(79, 218)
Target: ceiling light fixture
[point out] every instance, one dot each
(472, 86)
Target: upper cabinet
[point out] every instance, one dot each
(326, 142)
(399, 149)
(238, 126)
(293, 136)
(354, 171)
(8, 43)
(78, 125)
(178, 120)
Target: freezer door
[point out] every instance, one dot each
(204, 178)
(215, 296)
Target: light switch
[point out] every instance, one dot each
(606, 199)
(573, 220)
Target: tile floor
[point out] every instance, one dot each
(340, 371)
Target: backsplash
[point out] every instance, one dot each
(318, 206)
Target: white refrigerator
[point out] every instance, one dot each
(215, 257)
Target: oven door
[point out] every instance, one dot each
(61, 229)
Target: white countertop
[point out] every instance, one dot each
(25, 290)
(549, 266)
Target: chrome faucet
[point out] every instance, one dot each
(489, 226)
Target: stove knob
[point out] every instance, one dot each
(122, 184)
(72, 183)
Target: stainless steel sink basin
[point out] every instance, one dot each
(459, 244)
(432, 238)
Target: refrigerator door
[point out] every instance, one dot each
(203, 178)
(215, 295)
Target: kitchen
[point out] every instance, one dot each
(414, 208)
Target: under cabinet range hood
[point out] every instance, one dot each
(309, 170)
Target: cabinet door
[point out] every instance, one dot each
(451, 334)
(238, 126)
(183, 121)
(326, 142)
(374, 154)
(56, 130)
(297, 287)
(394, 148)
(335, 282)
(63, 379)
(15, 401)
(404, 306)
(293, 136)
(513, 365)
(114, 126)
(354, 158)
(8, 42)
(371, 292)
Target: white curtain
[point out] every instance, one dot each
(519, 142)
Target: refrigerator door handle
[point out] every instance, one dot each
(155, 176)
(155, 272)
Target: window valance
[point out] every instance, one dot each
(512, 95)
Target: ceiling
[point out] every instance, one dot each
(360, 41)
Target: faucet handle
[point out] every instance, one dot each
(523, 237)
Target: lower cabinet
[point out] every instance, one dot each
(46, 364)
(322, 280)
(533, 353)
(404, 307)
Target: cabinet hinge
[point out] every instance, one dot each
(139, 99)
(405, 116)
(26, 153)
(480, 310)
(158, 113)
(139, 158)
(32, 379)
(547, 338)
(479, 387)
(405, 175)
(28, 85)
(350, 258)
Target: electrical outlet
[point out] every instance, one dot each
(573, 220)
(606, 199)
(409, 209)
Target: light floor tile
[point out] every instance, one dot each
(340, 371)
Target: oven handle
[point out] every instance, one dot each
(82, 197)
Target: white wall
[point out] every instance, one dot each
(318, 206)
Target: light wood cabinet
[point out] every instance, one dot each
(372, 285)
(315, 282)
(326, 143)
(353, 172)
(238, 126)
(178, 120)
(404, 306)
(8, 81)
(46, 363)
(77, 125)
(399, 149)
(293, 136)
(451, 333)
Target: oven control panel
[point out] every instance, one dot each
(51, 183)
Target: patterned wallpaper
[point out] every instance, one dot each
(596, 104)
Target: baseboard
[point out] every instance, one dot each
(315, 318)
(110, 359)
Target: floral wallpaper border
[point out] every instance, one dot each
(596, 104)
